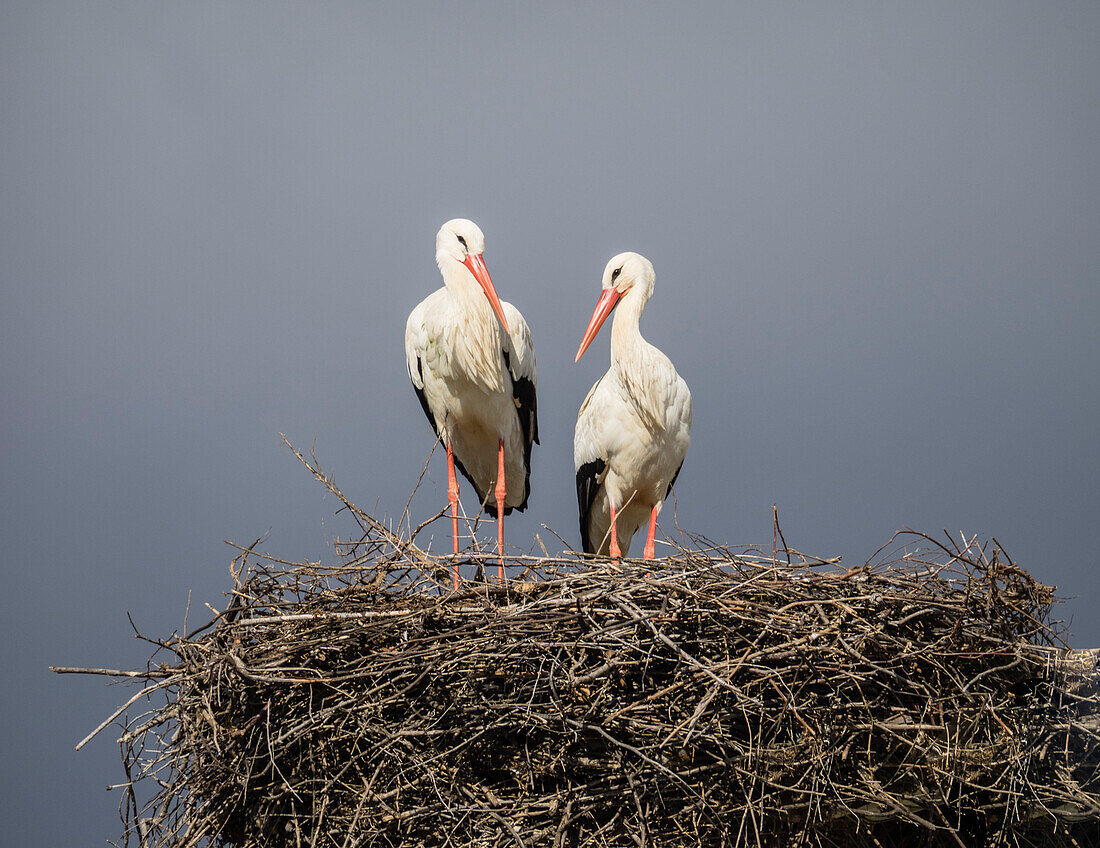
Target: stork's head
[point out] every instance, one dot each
(627, 273)
(461, 242)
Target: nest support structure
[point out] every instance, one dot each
(712, 698)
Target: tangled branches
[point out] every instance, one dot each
(713, 698)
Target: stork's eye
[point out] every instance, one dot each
(462, 241)
(615, 274)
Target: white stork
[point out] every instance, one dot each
(472, 365)
(634, 427)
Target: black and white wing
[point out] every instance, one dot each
(417, 338)
(519, 361)
(590, 462)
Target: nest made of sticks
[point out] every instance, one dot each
(712, 698)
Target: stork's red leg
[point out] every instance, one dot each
(648, 553)
(614, 534)
(452, 496)
(501, 493)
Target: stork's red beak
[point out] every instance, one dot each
(477, 267)
(604, 306)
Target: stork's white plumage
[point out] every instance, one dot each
(634, 427)
(472, 365)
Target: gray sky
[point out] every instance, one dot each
(876, 230)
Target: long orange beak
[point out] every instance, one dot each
(477, 267)
(604, 306)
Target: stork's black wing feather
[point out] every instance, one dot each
(523, 393)
(672, 482)
(588, 484)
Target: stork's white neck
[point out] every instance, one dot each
(476, 334)
(627, 344)
(641, 367)
(463, 287)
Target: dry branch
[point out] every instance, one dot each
(725, 699)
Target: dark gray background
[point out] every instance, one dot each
(875, 228)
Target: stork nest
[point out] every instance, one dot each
(711, 698)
